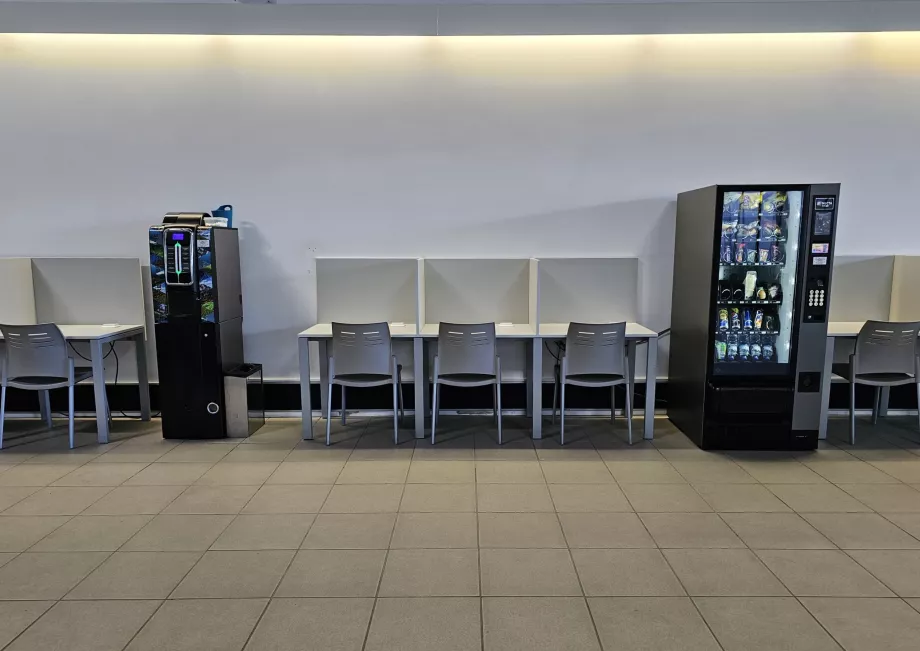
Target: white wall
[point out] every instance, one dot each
(422, 146)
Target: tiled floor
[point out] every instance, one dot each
(274, 543)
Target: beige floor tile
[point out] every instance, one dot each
(776, 531)
(410, 624)
(239, 574)
(46, 575)
(823, 498)
(100, 474)
(58, 501)
(212, 500)
(316, 451)
(136, 575)
(909, 522)
(890, 498)
(850, 472)
(18, 533)
(576, 472)
(333, 573)
(200, 625)
(580, 450)
(605, 530)
(741, 498)
(906, 471)
(588, 498)
(6, 557)
(528, 573)
(254, 532)
(17, 616)
(520, 530)
(86, 626)
(257, 453)
(374, 472)
(238, 473)
(288, 499)
(520, 450)
(34, 474)
(781, 471)
(822, 573)
(861, 531)
(763, 624)
(689, 530)
(200, 452)
(868, 624)
(514, 498)
(307, 472)
(613, 450)
(898, 569)
(722, 471)
(431, 573)
(509, 472)
(442, 472)
(169, 474)
(308, 624)
(451, 450)
(625, 573)
(644, 472)
(537, 624)
(434, 530)
(433, 498)
(178, 533)
(92, 533)
(135, 500)
(723, 573)
(363, 498)
(10, 495)
(350, 531)
(665, 498)
(651, 624)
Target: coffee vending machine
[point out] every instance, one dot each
(198, 315)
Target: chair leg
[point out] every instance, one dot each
(434, 408)
(3, 412)
(395, 413)
(70, 414)
(495, 403)
(629, 423)
(44, 399)
(399, 392)
(498, 408)
(329, 416)
(562, 413)
(343, 404)
(613, 406)
(555, 390)
(876, 404)
(852, 413)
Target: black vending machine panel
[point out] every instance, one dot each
(198, 314)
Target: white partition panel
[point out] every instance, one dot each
(905, 289)
(17, 299)
(477, 290)
(861, 288)
(588, 289)
(366, 290)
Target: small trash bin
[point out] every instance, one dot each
(244, 400)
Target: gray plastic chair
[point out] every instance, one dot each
(885, 356)
(595, 356)
(36, 359)
(362, 356)
(467, 358)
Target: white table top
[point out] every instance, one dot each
(515, 330)
(559, 330)
(324, 331)
(844, 328)
(93, 332)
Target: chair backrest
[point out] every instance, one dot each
(35, 351)
(363, 348)
(596, 348)
(466, 348)
(887, 347)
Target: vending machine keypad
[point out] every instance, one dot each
(824, 213)
(178, 244)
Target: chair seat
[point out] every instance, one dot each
(594, 379)
(362, 379)
(884, 379)
(466, 379)
(39, 382)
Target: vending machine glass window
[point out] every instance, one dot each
(757, 269)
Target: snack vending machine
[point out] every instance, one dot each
(198, 316)
(752, 282)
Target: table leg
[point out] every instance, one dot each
(324, 396)
(143, 385)
(826, 386)
(536, 388)
(651, 378)
(883, 402)
(306, 407)
(102, 420)
(418, 384)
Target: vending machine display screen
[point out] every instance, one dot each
(179, 259)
